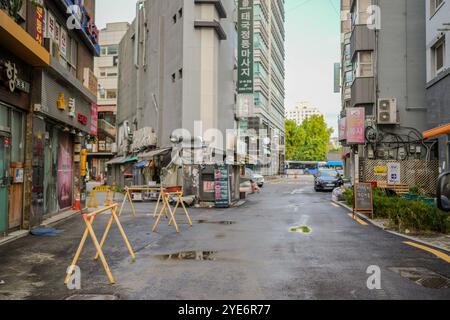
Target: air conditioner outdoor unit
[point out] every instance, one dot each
(387, 111)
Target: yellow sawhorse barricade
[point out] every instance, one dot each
(100, 189)
(163, 197)
(129, 198)
(166, 207)
(89, 231)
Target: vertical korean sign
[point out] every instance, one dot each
(356, 118)
(245, 47)
(39, 35)
(94, 119)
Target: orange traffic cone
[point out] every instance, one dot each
(77, 203)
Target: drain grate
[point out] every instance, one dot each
(190, 255)
(423, 277)
(226, 223)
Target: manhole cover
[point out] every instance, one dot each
(93, 297)
(227, 223)
(190, 255)
(423, 277)
(302, 229)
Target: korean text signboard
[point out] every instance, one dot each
(222, 187)
(356, 125)
(39, 36)
(363, 198)
(245, 47)
(394, 173)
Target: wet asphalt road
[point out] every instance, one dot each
(248, 253)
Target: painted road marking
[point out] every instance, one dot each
(437, 253)
(360, 221)
(335, 205)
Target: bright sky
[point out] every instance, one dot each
(312, 48)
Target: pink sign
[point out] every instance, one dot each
(356, 125)
(343, 129)
(65, 171)
(94, 120)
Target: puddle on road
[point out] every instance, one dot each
(226, 223)
(302, 229)
(423, 277)
(190, 255)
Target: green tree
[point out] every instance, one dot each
(294, 137)
(308, 142)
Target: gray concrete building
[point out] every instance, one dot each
(177, 67)
(384, 68)
(438, 76)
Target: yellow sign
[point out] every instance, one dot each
(83, 162)
(381, 171)
(61, 102)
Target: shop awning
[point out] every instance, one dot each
(130, 159)
(117, 160)
(141, 164)
(19, 42)
(154, 153)
(441, 130)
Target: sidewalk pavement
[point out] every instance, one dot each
(436, 240)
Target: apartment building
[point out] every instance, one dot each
(106, 69)
(384, 72)
(46, 109)
(301, 112)
(269, 77)
(438, 77)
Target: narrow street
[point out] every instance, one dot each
(248, 253)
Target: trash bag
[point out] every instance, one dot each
(338, 194)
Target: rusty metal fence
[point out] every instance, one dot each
(414, 173)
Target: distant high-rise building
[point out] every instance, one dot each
(269, 76)
(301, 112)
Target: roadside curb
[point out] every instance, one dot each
(367, 219)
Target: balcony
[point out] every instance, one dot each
(362, 39)
(363, 91)
(107, 128)
(20, 43)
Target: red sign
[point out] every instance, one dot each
(82, 119)
(356, 118)
(39, 25)
(94, 120)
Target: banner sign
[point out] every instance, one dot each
(342, 129)
(65, 173)
(94, 120)
(337, 78)
(356, 118)
(39, 35)
(245, 47)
